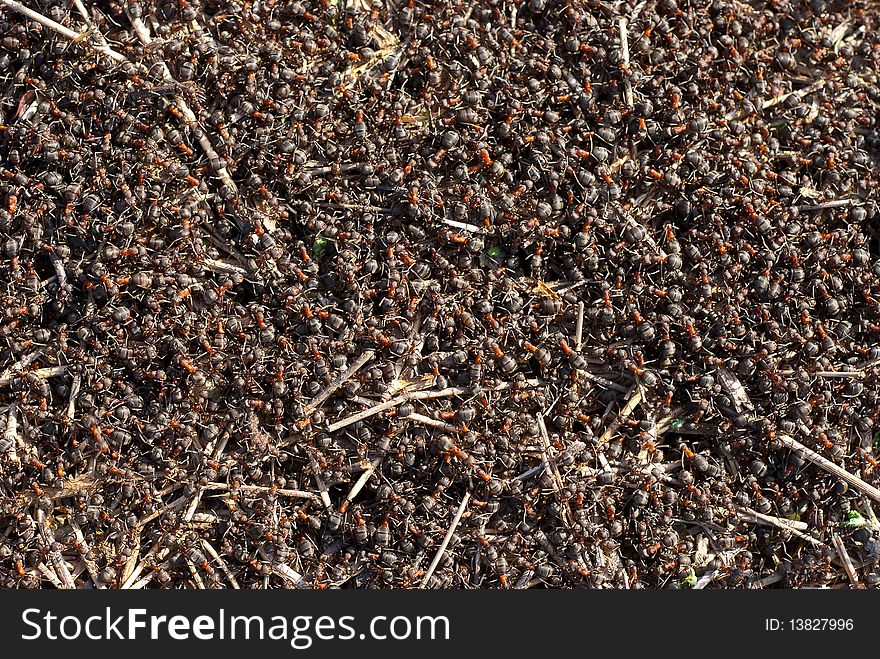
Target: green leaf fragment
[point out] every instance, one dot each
(319, 246)
(491, 256)
(690, 580)
(854, 520)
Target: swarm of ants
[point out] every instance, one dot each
(494, 294)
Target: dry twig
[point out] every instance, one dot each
(443, 545)
(753, 516)
(845, 559)
(850, 479)
(359, 484)
(223, 566)
(63, 31)
(338, 382)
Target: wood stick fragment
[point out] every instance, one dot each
(608, 384)
(143, 34)
(60, 29)
(870, 510)
(191, 509)
(637, 10)
(21, 364)
(631, 405)
(10, 434)
(835, 203)
(87, 19)
(365, 414)
(55, 557)
(196, 577)
(216, 265)
(845, 559)
(830, 374)
(131, 563)
(223, 566)
(579, 328)
(339, 381)
(576, 447)
(705, 580)
(850, 479)
(753, 516)
(221, 443)
(221, 244)
(174, 505)
(769, 520)
(289, 575)
(429, 394)
(624, 56)
(141, 583)
(434, 423)
(359, 484)
(293, 494)
(50, 575)
(769, 580)
(48, 372)
(74, 392)
(322, 487)
(464, 226)
(394, 402)
(546, 463)
(664, 424)
(798, 93)
(208, 518)
(77, 570)
(136, 572)
(85, 552)
(841, 374)
(446, 539)
(554, 470)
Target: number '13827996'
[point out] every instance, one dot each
(820, 624)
